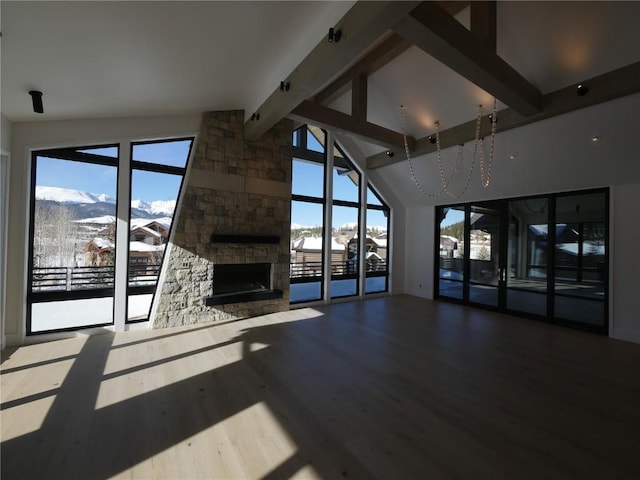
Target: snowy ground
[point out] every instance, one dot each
(79, 313)
(48, 316)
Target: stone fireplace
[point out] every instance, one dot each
(232, 227)
(242, 282)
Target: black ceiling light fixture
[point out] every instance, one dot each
(36, 99)
(334, 35)
(582, 89)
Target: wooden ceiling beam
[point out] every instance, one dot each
(359, 97)
(484, 23)
(609, 86)
(435, 31)
(364, 24)
(325, 117)
(389, 49)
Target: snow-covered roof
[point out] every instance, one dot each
(144, 247)
(148, 231)
(449, 237)
(101, 243)
(381, 242)
(314, 243)
(143, 222)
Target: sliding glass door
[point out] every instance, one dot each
(484, 254)
(544, 257)
(581, 259)
(527, 256)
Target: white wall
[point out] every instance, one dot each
(30, 136)
(625, 268)
(552, 156)
(5, 148)
(419, 243)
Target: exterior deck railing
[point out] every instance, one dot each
(53, 279)
(300, 271)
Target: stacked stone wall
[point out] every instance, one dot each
(234, 187)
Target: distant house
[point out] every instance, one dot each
(147, 239)
(158, 227)
(306, 255)
(375, 253)
(448, 245)
(99, 252)
(375, 263)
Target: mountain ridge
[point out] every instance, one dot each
(87, 205)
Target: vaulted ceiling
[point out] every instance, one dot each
(439, 60)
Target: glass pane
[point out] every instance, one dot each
(315, 139)
(308, 178)
(296, 136)
(108, 151)
(73, 241)
(376, 242)
(346, 184)
(138, 307)
(174, 153)
(451, 273)
(306, 251)
(305, 292)
(483, 254)
(344, 288)
(527, 256)
(47, 316)
(375, 284)
(344, 250)
(154, 200)
(580, 256)
(372, 197)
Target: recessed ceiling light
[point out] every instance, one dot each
(512, 156)
(595, 139)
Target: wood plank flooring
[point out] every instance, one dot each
(394, 387)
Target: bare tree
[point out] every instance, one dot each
(54, 236)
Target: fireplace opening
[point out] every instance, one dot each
(241, 282)
(241, 277)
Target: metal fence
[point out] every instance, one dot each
(53, 279)
(303, 270)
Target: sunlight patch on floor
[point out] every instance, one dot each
(25, 418)
(129, 381)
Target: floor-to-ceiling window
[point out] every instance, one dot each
(74, 230)
(329, 259)
(376, 255)
(307, 218)
(157, 170)
(545, 257)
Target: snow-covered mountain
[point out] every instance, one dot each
(156, 207)
(69, 196)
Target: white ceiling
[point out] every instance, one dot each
(551, 44)
(107, 59)
(100, 59)
(104, 59)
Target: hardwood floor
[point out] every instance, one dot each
(395, 387)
